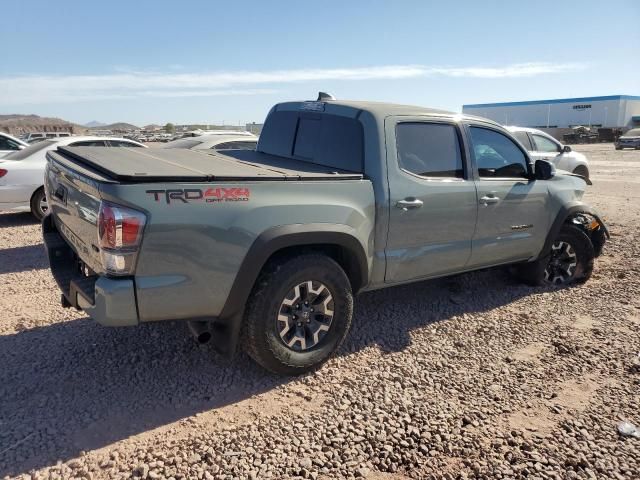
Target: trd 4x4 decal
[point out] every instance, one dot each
(210, 195)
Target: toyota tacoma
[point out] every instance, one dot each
(267, 248)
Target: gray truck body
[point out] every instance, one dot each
(201, 253)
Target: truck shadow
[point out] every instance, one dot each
(75, 385)
(16, 220)
(21, 259)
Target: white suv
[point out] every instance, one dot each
(542, 146)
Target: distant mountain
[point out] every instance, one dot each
(94, 124)
(116, 126)
(17, 124)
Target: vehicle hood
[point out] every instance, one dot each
(623, 137)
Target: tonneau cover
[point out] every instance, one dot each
(142, 165)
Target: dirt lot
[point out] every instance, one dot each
(468, 377)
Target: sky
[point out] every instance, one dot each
(228, 62)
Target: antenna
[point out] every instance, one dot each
(325, 97)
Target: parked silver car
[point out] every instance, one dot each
(542, 146)
(229, 141)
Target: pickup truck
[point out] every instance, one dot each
(266, 248)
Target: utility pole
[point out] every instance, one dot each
(548, 113)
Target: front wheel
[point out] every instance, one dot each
(570, 260)
(298, 315)
(39, 205)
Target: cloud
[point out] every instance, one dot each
(128, 84)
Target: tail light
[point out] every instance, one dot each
(3, 172)
(119, 236)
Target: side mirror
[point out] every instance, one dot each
(543, 170)
(21, 147)
(566, 149)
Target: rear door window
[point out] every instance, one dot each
(429, 150)
(30, 150)
(8, 144)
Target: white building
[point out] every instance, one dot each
(611, 111)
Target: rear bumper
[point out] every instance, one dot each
(111, 302)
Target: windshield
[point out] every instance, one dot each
(634, 132)
(30, 150)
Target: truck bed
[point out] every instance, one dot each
(141, 165)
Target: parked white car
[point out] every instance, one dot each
(542, 146)
(22, 172)
(36, 136)
(9, 144)
(229, 141)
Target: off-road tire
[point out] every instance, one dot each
(260, 337)
(37, 204)
(533, 273)
(582, 171)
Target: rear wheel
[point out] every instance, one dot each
(299, 314)
(39, 205)
(570, 260)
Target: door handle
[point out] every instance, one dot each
(408, 203)
(486, 200)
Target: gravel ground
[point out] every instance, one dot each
(473, 376)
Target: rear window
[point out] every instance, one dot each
(184, 143)
(30, 150)
(325, 139)
(246, 145)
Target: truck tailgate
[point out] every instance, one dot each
(74, 203)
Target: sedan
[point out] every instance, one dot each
(542, 146)
(22, 172)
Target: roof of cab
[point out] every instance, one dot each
(381, 110)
